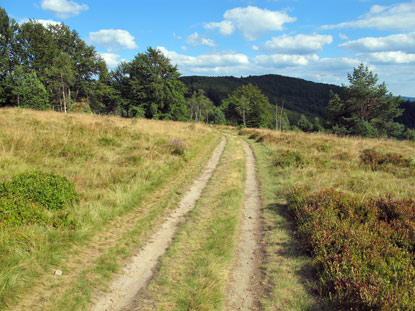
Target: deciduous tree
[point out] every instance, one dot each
(248, 106)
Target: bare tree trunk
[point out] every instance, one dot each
(63, 94)
(69, 97)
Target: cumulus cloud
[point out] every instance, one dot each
(251, 21)
(394, 17)
(309, 67)
(284, 60)
(230, 63)
(206, 60)
(395, 57)
(111, 59)
(195, 40)
(63, 8)
(217, 64)
(299, 44)
(226, 28)
(398, 42)
(113, 39)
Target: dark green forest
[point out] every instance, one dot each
(53, 68)
(299, 96)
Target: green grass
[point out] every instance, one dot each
(123, 172)
(193, 273)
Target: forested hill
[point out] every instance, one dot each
(299, 96)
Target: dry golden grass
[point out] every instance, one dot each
(116, 164)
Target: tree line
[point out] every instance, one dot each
(53, 68)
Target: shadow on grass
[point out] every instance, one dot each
(294, 251)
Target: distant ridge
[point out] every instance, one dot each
(299, 96)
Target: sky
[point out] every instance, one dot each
(316, 40)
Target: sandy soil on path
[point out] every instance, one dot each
(138, 272)
(244, 282)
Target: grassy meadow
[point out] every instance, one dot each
(127, 174)
(339, 221)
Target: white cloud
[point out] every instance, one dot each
(398, 42)
(330, 70)
(396, 57)
(226, 28)
(299, 44)
(394, 17)
(113, 39)
(284, 60)
(251, 21)
(398, 75)
(63, 8)
(44, 22)
(255, 48)
(195, 40)
(206, 60)
(111, 59)
(217, 64)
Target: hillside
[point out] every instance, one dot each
(300, 96)
(105, 213)
(126, 175)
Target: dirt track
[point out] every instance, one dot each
(140, 269)
(243, 288)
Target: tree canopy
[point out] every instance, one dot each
(248, 106)
(365, 108)
(151, 86)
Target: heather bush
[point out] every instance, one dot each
(288, 159)
(364, 252)
(176, 147)
(376, 159)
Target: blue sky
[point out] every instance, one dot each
(318, 40)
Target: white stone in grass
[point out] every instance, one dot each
(58, 272)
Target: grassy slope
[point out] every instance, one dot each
(327, 162)
(117, 165)
(193, 273)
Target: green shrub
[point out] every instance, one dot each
(82, 106)
(288, 159)
(15, 210)
(376, 160)
(363, 251)
(409, 134)
(36, 197)
(48, 190)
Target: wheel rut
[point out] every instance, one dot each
(138, 272)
